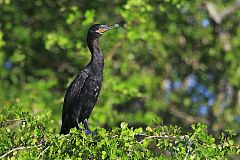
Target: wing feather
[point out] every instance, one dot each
(74, 89)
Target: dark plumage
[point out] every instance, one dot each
(83, 92)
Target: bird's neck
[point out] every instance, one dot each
(97, 60)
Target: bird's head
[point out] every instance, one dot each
(96, 30)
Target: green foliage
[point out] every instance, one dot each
(149, 63)
(32, 138)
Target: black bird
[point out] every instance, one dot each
(83, 92)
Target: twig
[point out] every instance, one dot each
(61, 136)
(188, 149)
(43, 151)
(114, 136)
(12, 120)
(17, 149)
(162, 137)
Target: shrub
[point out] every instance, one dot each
(30, 137)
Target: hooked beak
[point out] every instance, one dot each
(105, 28)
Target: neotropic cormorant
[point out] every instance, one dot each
(83, 92)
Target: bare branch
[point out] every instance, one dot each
(213, 13)
(218, 16)
(162, 137)
(188, 149)
(13, 120)
(12, 123)
(231, 9)
(43, 151)
(186, 117)
(19, 148)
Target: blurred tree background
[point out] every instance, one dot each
(175, 61)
